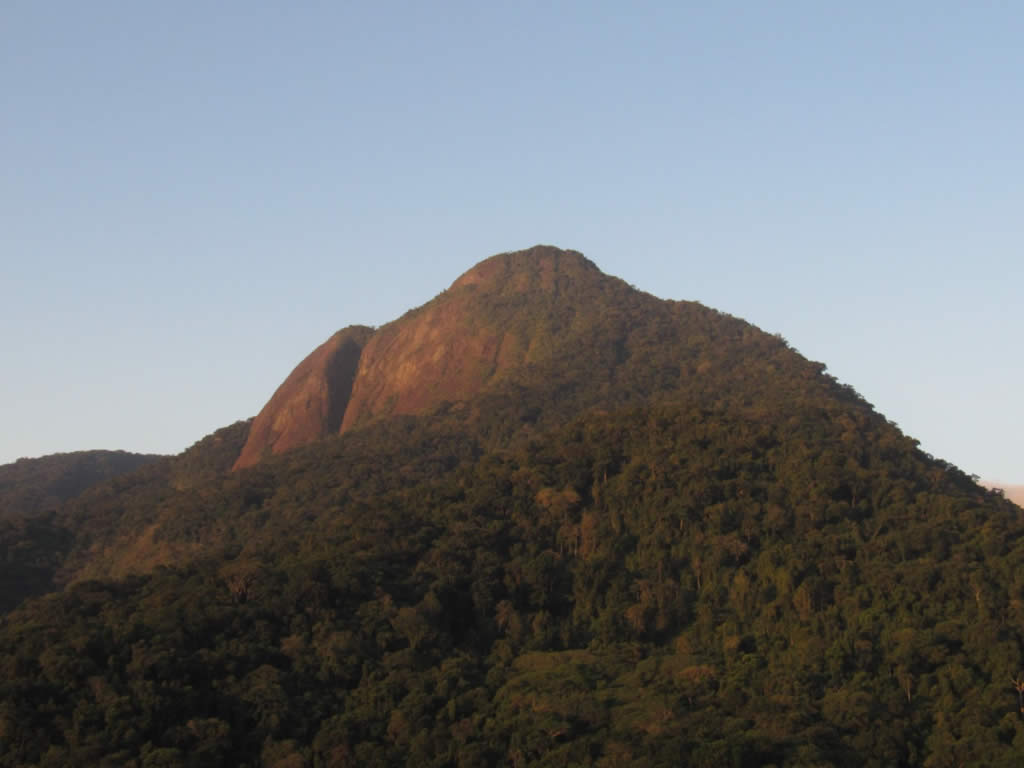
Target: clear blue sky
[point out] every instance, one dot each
(194, 195)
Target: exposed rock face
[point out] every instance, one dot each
(499, 315)
(505, 313)
(311, 402)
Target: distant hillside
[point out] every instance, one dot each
(43, 500)
(32, 486)
(32, 545)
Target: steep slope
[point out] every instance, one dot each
(512, 310)
(311, 402)
(508, 311)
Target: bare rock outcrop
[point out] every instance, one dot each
(501, 314)
(311, 403)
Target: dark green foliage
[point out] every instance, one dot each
(33, 544)
(656, 586)
(57, 500)
(31, 551)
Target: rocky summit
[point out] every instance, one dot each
(508, 311)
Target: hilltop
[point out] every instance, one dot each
(29, 487)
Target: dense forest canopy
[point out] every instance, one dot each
(665, 538)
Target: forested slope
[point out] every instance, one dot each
(659, 585)
(32, 544)
(29, 487)
(667, 540)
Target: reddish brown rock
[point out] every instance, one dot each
(501, 314)
(311, 402)
(508, 311)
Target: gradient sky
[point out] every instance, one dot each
(194, 195)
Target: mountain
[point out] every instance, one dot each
(545, 519)
(29, 487)
(543, 319)
(511, 310)
(522, 343)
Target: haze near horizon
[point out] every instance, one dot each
(196, 197)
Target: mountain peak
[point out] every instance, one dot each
(540, 268)
(510, 310)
